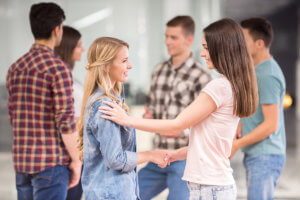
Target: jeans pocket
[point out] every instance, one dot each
(21, 179)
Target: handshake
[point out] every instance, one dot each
(163, 157)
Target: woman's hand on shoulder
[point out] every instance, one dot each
(114, 113)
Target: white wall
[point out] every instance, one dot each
(139, 22)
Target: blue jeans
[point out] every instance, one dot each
(262, 173)
(50, 184)
(153, 180)
(212, 192)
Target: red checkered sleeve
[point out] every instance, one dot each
(9, 104)
(63, 100)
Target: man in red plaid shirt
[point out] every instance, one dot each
(41, 112)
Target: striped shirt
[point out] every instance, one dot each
(173, 89)
(40, 108)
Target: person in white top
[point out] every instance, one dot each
(70, 50)
(213, 116)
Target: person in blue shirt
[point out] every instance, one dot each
(108, 149)
(262, 137)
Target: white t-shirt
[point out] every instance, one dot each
(78, 95)
(210, 141)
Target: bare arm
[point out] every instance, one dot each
(198, 110)
(262, 131)
(70, 142)
(160, 157)
(178, 154)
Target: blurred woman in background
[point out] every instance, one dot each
(70, 50)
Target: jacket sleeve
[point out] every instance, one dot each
(108, 135)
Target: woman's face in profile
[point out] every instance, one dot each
(205, 54)
(118, 71)
(78, 51)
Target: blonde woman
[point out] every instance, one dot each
(213, 116)
(108, 149)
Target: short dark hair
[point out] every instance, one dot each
(68, 43)
(186, 22)
(259, 28)
(44, 17)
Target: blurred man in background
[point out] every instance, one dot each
(175, 83)
(263, 134)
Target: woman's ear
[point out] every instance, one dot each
(106, 68)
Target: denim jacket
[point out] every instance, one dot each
(109, 156)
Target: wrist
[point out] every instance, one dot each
(239, 143)
(150, 156)
(76, 162)
(129, 122)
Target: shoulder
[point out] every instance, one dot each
(159, 67)
(20, 62)
(220, 82)
(198, 72)
(57, 66)
(219, 86)
(219, 89)
(99, 101)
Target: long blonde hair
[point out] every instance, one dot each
(100, 55)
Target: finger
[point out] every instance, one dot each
(107, 117)
(146, 109)
(106, 112)
(161, 166)
(112, 104)
(105, 108)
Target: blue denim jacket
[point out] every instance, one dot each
(109, 156)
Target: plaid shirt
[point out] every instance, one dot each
(171, 91)
(41, 109)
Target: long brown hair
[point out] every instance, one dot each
(100, 55)
(229, 54)
(68, 43)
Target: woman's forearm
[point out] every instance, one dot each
(143, 157)
(168, 128)
(160, 157)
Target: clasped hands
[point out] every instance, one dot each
(163, 157)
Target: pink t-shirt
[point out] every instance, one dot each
(210, 141)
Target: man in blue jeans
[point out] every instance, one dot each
(175, 83)
(263, 134)
(41, 112)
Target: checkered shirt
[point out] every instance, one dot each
(171, 91)
(40, 108)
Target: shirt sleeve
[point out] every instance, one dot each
(200, 83)
(9, 104)
(151, 98)
(63, 100)
(108, 135)
(217, 90)
(269, 90)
